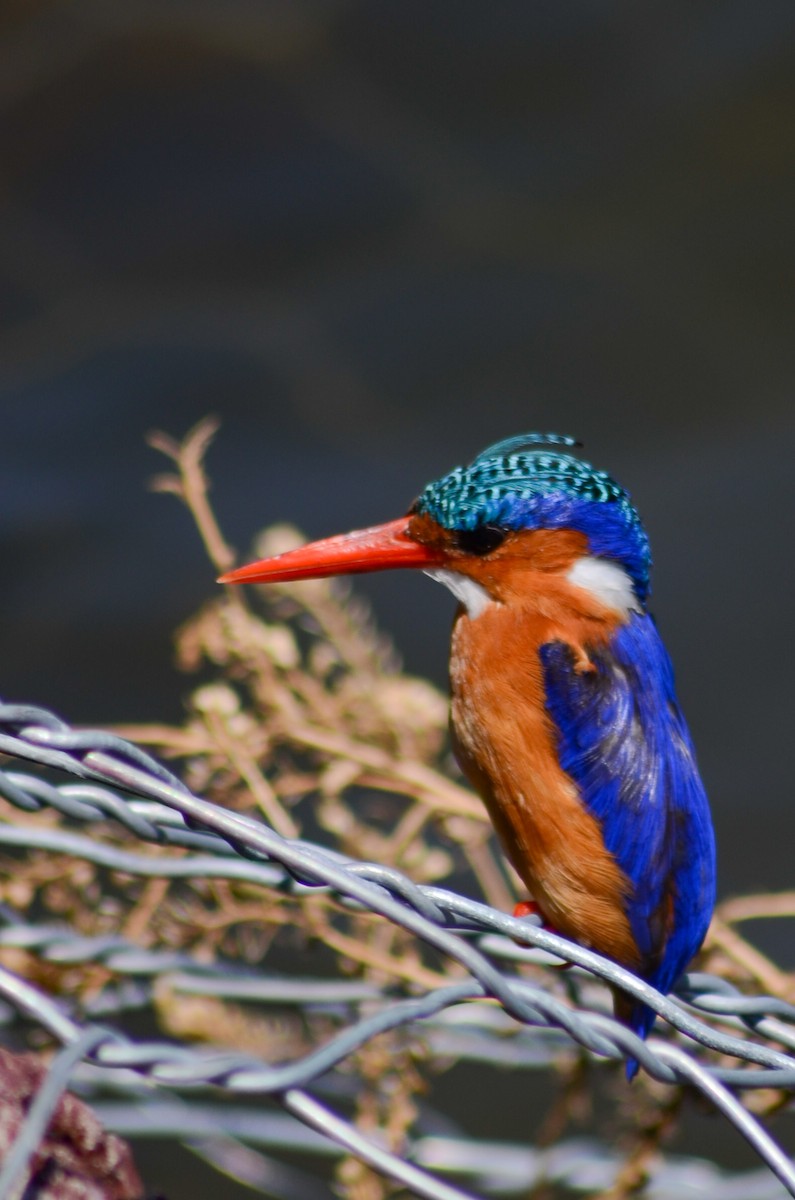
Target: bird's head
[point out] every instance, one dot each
(524, 505)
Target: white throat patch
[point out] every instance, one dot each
(605, 580)
(469, 593)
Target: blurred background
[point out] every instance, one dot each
(373, 238)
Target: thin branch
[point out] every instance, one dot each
(192, 486)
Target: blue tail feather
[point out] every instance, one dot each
(623, 740)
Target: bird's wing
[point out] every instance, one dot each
(623, 740)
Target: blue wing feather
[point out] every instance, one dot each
(624, 742)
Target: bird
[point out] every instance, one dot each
(564, 715)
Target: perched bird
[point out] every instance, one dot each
(564, 715)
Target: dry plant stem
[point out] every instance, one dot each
(138, 926)
(768, 1103)
(385, 1105)
(572, 1096)
(755, 908)
(316, 699)
(269, 694)
(427, 785)
(356, 949)
(171, 741)
(249, 771)
(386, 939)
(408, 828)
(634, 1174)
(756, 964)
(37, 872)
(489, 876)
(572, 1102)
(362, 653)
(191, 485)
(357, 1181)
(240, 913)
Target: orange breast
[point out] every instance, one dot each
(505, 742)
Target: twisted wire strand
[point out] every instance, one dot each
(156, 807)
(576, 1163)
(434, 907)
(15, 1170)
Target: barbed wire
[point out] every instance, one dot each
(578, 1164)
(120, 783)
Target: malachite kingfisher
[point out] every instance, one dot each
(564, 715)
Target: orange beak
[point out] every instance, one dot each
(379, 548)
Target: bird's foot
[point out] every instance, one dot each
(529, 908)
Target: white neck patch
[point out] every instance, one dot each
(467, 591)
(605, 580)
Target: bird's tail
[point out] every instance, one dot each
(637, 1017)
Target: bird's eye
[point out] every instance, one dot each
(480, 540)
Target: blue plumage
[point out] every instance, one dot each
(624, 741)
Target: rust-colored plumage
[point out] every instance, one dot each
(505, 743)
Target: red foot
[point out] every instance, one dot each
(529, 908)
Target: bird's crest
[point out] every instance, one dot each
(515, 487)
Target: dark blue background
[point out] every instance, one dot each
(373, 238)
